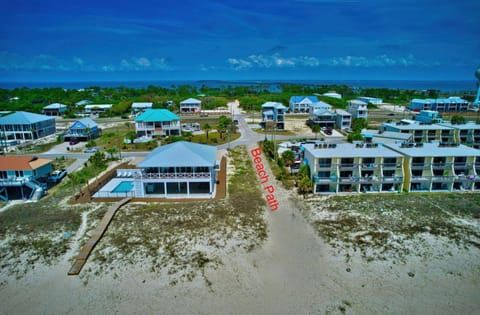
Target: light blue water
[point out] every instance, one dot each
(123, 187)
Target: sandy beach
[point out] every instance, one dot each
(293, 272)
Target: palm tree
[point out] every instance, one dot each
(207, 128)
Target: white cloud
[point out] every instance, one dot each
(375, 61)
(272, 61)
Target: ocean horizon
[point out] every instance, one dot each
(441, 85)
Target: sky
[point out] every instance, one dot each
(103, 40)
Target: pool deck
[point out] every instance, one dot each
(107, 190)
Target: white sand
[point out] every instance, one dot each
(294, 272)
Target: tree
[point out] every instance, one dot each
(316, 130)
(224, 125)
(354, 136)
(457, 119)
(207, 128)
(111, 151)
(131, 135)
(305, 186)
(359, 124)
(288, 157)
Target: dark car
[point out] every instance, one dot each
(74, 141)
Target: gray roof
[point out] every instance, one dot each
(434, 149)
(191, 101)
(55, 106)
(416, 126)
(23, 118)
(372, 133)
(273, 105)
(142, 105)
(350, 150)
(179, 154)
(467, 126)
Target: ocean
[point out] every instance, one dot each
(272, 85)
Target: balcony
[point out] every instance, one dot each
(420, 179)
(319, 179)
(420, 166)
(347, 166)
(368, 166)
(325, 166)
(391, 179)
(441, 166)
(442, 179)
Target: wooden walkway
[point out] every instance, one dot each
(96, 236)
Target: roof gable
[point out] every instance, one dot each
(191, 101)
(303, 99)
(181, 153)
(84, 123)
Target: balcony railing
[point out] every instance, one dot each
(329, 166)
(369, 165)
(172, 175)
(441, 166)
(319, 179)
(390, 165)
(417, 166)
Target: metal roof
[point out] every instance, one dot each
(471, 125)
(434, 149)
(55, 106)
(373, 133)
(350, 150)
(21, 118)
(142, 105)
(180, 154)
(151, 115)
(299, 99)
(191, 101)
(416, 126)
(83, 123)
(274, 105)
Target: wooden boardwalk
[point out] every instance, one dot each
(96, 236)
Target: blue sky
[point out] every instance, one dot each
(66, 40)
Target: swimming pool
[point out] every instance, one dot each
(123, 187)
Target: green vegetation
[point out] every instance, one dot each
(183, 239)
(458, 119)
(380, 226)
(250, 97)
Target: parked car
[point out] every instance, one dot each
(74, 141)
(57, 176)
(91, 150)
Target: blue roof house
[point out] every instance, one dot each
(301, 103)
(180, 169)
(83, 129)
(21, 127)
(157, 122)
(273, 115)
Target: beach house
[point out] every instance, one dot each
(21, 127)
(358, 109)
(273, 115)
(157, 122)
(301, 103)
(190, 105)
(83, 130)
(21, 176)
(141, 107)
(55, 109)
(177, 170)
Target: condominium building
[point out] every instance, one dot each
(467, 134)
(421, 132)
(439, 166)
(451, 104)
(354, 167)
(273, 115)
